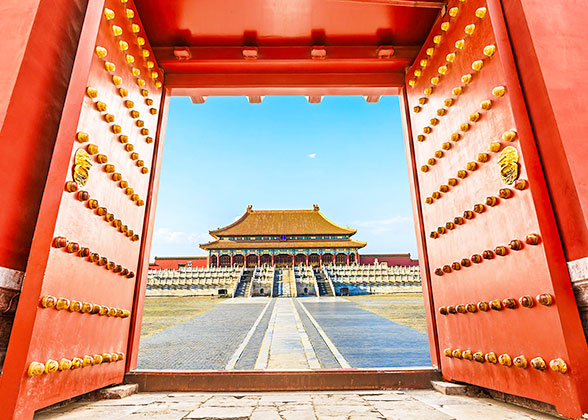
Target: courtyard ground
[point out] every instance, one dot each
(160, 313)
(283, 333)
(404, 308)
(358, 405)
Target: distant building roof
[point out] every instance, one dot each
(282, 222)
(175, 262)
(290, 244)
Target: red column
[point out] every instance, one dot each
(273, 259)
(357, 258)
(320, 260)
(348, 258)
(232, 260)
(293, 260)
(334, 258)
(258, 260)
(307, 256)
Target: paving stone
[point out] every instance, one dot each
(367, 416)
(435, 398)
(168, 406)
(411, 410)
(448, 388)
(295, 406)
(232, 401)
(178, 398)
(378, 343)
(385, 397)
(205, 342)
(161, 414)
(466, 408)
(298, 415)
(265, 413)
(326, 358)
(224, 413)
(81, 412)
(113, 393)
(142, 398)
(272, 399)
(349, 405)
(251, 351)
(342, 410)
(345, 399)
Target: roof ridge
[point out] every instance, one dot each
(283, 211)
(281, 222)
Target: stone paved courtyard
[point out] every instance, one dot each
(368, 405)
(284, 333)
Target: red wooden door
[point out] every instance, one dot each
(502, 311)
(81, 298)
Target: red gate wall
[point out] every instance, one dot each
(441, 197)
(464, 107)
(93, 233)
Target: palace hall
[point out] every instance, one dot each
(282, 238)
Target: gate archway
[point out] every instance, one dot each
(483, 210)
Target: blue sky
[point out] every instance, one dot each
(343, 154)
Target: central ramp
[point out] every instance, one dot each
(286, 344)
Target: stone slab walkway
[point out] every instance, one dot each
(205, 342)
(284, 333)
(286, 344)
(358, 405)
(367, 340)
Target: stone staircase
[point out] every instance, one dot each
(243, 286)
(281, 287)
(324, 286)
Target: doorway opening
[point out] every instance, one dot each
(298, 297)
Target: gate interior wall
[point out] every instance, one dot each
(500, 307)
(494, 254)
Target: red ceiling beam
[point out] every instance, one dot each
(255, 99)
(272, 59)
(223, 71)
(284, 84)
(423, 4)
(372, 99)
(286, 66)
(283, 80)
(314, 99)
(284, 52)
(198, 100)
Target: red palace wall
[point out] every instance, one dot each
(390, 259)
(173, 263)
(48, 61)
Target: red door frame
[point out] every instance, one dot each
(15, 364)
(16, 360)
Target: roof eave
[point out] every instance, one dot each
(348, 231)
(215, 233)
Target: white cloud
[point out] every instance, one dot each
(312, 155)
(392, 224)
(167, 236)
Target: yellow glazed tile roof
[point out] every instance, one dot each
(226, 244)
(282, 222)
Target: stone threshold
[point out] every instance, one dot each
(282, 380)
